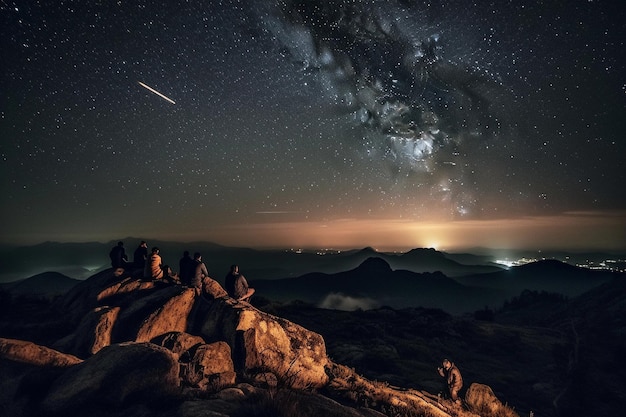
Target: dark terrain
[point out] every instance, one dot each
(554, 345)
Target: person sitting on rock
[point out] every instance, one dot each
(154, 267)
(169, 275)
(186, 268)
(140, 255)
(118, 256)
(237, 286)
(200, 272)
(453, 377)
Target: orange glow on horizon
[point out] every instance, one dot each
(568, 231)
(576, 230)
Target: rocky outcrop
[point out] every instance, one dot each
(33, 354)
(210, 367)
(262, 342)
(133, 310)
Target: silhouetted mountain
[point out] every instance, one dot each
(80, 260)
(47, 284)
(545, 275)
(431, 260)
(374, 279)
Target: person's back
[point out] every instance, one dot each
(187, 269)
(155, 269)
(236, 285)
(118, 256)
(140, 255)
(200, 272)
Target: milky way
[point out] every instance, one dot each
(385, 66)
(306, 111)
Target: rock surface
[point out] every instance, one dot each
(262, 342)
(30, 353)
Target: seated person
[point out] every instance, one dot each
(169, 275)
(237, 286)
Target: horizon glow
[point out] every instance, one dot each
(572, 231)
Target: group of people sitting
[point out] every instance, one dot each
(192, 271)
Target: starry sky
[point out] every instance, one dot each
(341, 123)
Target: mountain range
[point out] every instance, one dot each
(346, 280)
(374, 283)
(81, 260)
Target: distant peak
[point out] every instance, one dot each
(548, 263)
(374, 264)
(424, 253)
(368, 249)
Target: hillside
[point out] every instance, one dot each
(172, 350)
(544, 275)
(542, 352)
(47, 284)
(374, 283)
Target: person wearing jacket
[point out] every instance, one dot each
(453, 378)
(237, 286)
(200, 273)
(154, 267)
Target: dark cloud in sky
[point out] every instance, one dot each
(318, 110)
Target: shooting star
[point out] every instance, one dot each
(156, 92)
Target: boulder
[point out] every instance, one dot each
(210, 369)
(261, 342)
(126, 286)
(141, 316)
(212, 289)
(92, 334)
(481, 399)
(171, 316)
(116, 375)
(179, 343)
(30, 353)
(152, 314)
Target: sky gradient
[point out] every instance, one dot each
(315, 123)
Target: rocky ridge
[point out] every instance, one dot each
(153, 348)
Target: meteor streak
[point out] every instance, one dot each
(156, 92)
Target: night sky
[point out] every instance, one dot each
(394, 124)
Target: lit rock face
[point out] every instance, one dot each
(93, 332)
(32, 354)
(265, 343)
(208, 367)
(130, 309)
